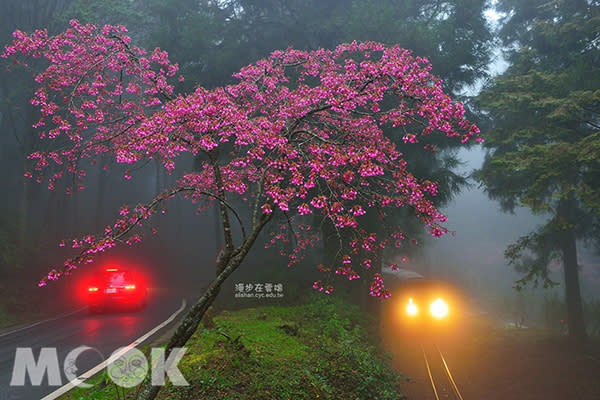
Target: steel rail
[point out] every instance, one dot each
(431, 380)
(447, 372)
(450, 378)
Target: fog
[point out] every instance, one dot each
(181, 256)
(473, 256)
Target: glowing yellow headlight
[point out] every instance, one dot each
(439, 309)
(411, 308)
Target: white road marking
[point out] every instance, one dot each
(88, 374)
(40, 322)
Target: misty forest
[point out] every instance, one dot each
(320, 147)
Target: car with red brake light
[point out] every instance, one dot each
(116, 288)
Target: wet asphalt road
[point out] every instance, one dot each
(104, 333)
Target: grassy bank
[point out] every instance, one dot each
(322, 349)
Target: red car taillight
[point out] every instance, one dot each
(92, 289)
(130, 287)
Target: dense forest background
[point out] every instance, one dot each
(540, 118)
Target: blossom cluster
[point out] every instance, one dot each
(302, 133)
(96, 87)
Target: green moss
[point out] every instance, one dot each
(317, 350)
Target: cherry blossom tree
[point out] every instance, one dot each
(301, 134)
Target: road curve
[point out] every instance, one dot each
(104, 333)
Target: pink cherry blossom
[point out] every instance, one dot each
(300, 133)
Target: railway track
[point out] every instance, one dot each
(442, 383)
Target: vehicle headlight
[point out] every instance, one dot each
(439, 308)
(411, 308)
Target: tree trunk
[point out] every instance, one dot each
(100, 223)
(572, 291)
(23, 218)
(75, 226)
(50, 216)
(188, 326)
(568, 245)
